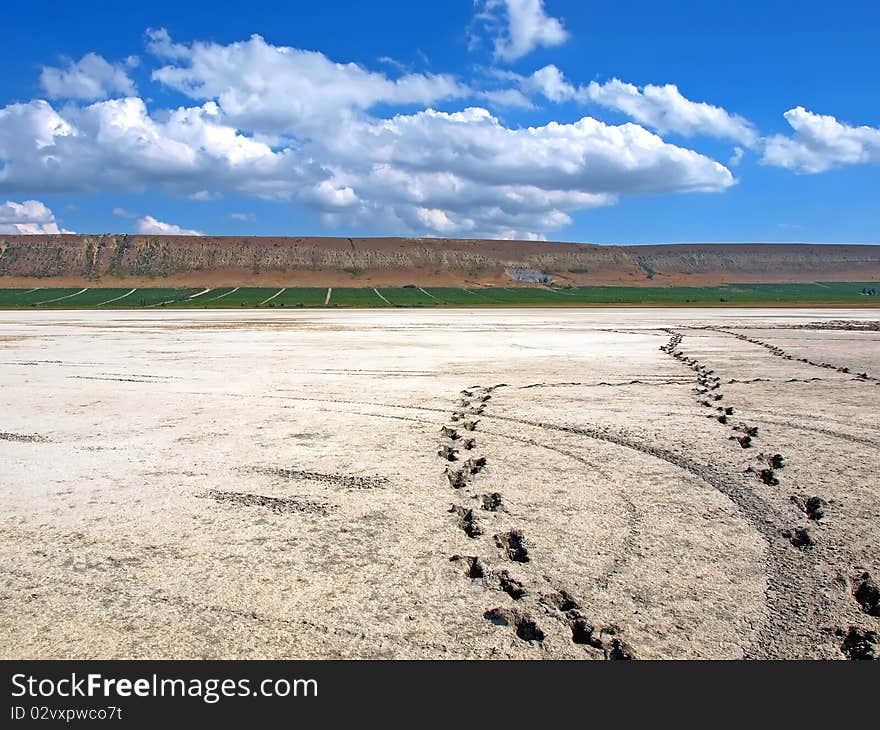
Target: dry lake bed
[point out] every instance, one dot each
(597, 483)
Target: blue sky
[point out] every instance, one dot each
(612, 123)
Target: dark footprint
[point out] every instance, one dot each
(561, 600)
(777, 461)
(470, 425)
(582, 631)
(861, 644)
(472, 565)
(744, 441)
(512, 544)
(457, 478)
(448, 453)
(619, 650)
(449, 433)
(812, 507)
(866, 592)
(800, 537)
(768, 477)
(524, 624)
(511, 586)
(606, 639)
(474, 466)
(469, 444)
(467, 521)
(747, 430)
(493, 502)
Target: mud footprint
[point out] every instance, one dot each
(512, 544)
(525, 626)
(467, 521)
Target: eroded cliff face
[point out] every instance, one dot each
(108, 258)
(756, 258)
(97, 258)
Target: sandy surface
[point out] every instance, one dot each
(262, 485)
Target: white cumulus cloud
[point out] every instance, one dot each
(286, 124)
(151, 226)
(118, 144)
(27, 217)
(821, 142)
(665, 109)
(279, 89)
(488, 179)
(519, 26)
(90, 78)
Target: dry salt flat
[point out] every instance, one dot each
(578, 483)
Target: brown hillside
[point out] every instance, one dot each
(109, 260)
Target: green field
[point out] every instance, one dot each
(840, 293)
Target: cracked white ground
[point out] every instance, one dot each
(269, 485)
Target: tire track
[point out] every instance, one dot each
(779, 352)
(802, 613)
(798, 603)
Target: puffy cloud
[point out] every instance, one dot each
(90, 78)
(117, 144)
(150, 226)
(662, 108)
(27, 217)
(278, 89)
(519, 27)
(159, 43)
(821, 142)
(550, 82)
(488, 179)
(263, 128)
(665, 109)
(586, 156)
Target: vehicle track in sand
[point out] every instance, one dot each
(780, 352)
(727, 487)
(808, 617)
